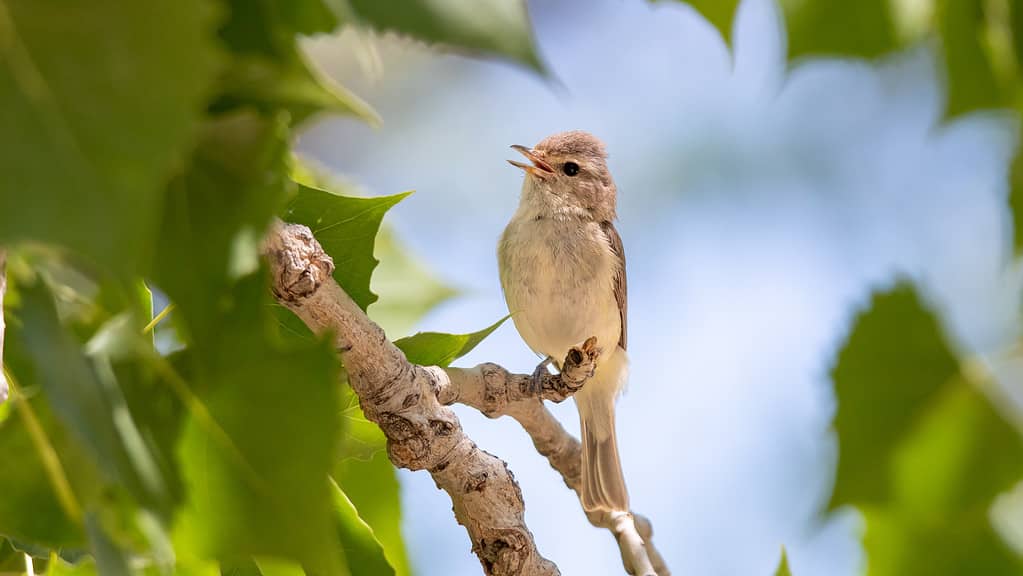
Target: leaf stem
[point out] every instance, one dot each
(156, 319)
(47, 454)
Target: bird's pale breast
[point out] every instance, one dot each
(557, 278)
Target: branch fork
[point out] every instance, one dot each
(411, 403)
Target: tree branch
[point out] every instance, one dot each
(496, 392)
(409, 402)
(421, 433)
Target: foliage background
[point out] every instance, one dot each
(765, 194)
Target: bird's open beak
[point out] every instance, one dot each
(538, 166)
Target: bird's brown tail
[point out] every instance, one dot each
(603, 485)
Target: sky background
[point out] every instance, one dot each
(760, 202)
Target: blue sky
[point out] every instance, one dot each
(759, 201)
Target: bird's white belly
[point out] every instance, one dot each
(559, 287)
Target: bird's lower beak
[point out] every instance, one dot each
(537, 168)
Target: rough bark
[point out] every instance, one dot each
(496, 392)
(409, 403)
(422, 434)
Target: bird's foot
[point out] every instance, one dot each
(536, 381)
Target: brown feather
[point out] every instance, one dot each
(620, 285)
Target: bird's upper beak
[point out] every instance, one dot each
(538, 167)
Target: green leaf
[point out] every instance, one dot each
(922, 451)
(493, 27)
(783, 565)
(863, 28)
(963, 545)
(215, 217)
(256, 467)
(36, 515)
(270, 72)
(439, 349)
(73, 154)
(291, 84)
(719, 13)
(363, 552)
(362, 439)
(88, 399)
(372, 486)
(309, 16)
(1016, 200)
(407, 288)
(894, 362)
(346, 227)
(971, 78)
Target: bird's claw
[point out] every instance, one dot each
(536, 381)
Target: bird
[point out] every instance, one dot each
(562, 270)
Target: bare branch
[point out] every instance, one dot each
(408, 402)
(422, 434)
(496, 392)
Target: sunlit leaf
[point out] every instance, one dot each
(362, 551)
(492, 27)
(89, 400)
(73, 154)
(372, 486)
(346, 227)
(256, 468)
(268, 70)
(440, 349)
(37, 515)
(783, 565)
(407, 288)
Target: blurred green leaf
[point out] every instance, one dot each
(719, 13)
(215, 217)
(407, 288)
(494, 27)
(73, 154)
(922, 450)
(90, 403)
(1016, 199)
(269, 71)
(11, 560)
(894, 363)
(862, 28)
(36, 514)
(310, 16)
(292, 84)
(439, 349)
(783, 565)
(362, 439)
(971, 79)
(372, 486)
(363, 552)
(963, 545)
(256, 467)
(346, 227)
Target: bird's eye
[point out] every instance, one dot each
(570, 168)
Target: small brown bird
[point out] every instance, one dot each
(563, 273)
